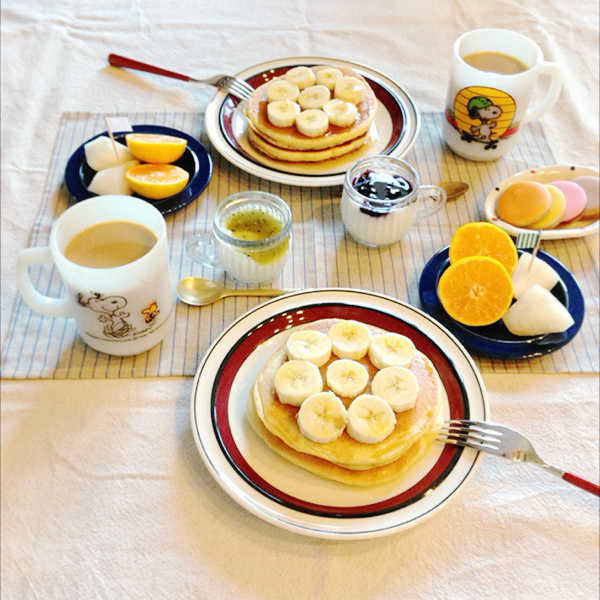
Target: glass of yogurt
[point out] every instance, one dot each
(383, 197)
(250, 239)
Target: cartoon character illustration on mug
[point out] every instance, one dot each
(112, 315)
(483, 114)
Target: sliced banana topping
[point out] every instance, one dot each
(340, 112)
(347, 378)
(281, 89)
(328, 77)
(322, 417)
(296, 380)
(314, 96)
(309, 345)
(301, 76)
(282, 113)
(350, 339)
(370, 419)
(398, 386)
(390, 350)
(350, 89)
(312, 122)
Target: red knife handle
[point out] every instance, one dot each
(588, 486)
(122, 61)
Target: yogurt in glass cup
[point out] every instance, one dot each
(251, 237)
(382, 197)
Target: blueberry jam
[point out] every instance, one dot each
(380, 187)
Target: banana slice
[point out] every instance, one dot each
(397, 386)
(301, 76)
(350, 339)
(281, 89)
(350, 89)
(322, 417)
(391, 350)
(314, 96)
(313, 346)
(328, 77)
(282, 113)
(312, 122)
(296, 380)
(340, 112)
(347, 378)
(370, 419)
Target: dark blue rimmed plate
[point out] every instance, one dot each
(495, 341)
(195, 160)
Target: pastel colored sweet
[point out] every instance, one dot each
(556, 211)
(591, 187)
(575, 198)
(523, 203)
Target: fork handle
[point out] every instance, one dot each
(588, 486)
(122, 61)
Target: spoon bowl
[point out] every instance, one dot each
(200, 292)
(454, 189)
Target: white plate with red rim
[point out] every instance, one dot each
(294, 499)
(577, 228)
(393, 132)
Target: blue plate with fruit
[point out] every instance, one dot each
(195, 160)
(495, 340)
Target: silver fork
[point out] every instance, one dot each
(232, 85)
(502, 441)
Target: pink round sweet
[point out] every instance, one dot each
(575, 198)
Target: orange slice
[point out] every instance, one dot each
(155, 147)
(483, 239)
(476, 290)
(156, 181)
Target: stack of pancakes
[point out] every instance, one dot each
(288, 144)
(346, 460)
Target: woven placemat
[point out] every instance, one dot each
(323, 256)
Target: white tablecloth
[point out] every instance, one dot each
(103, 492)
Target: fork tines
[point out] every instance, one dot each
(474, 434)
(236, 86)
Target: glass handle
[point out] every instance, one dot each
(202, 249)
(432, 199)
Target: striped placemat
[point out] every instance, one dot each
(323, 255)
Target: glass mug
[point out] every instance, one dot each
(119, 310)
(251, 237)
(382, 220)
(485, 110)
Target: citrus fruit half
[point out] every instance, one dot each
(156, 181)
(483, 239)
(155, 147)
(476, 290)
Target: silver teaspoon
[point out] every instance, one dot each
(199, 292)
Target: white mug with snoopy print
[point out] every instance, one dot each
(486, 110)
(119, 310)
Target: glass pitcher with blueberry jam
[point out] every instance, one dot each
(382, 198)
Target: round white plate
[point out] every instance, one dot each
(394, 131)
(577, 228)
(290, 497)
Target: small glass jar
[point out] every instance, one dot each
(250, 239)
(382, 198)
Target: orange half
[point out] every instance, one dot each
(156, 181)
(483, 239)
(155, 147)
(476, 290)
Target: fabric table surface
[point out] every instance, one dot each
(103, 493)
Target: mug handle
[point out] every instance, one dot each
(556, 79)
(202, 249)
(55, 307)
(436, 197)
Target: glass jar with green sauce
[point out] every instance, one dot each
(251, 236)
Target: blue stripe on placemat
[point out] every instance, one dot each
(323, 255)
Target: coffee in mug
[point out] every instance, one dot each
(112, 255)
(492, 85)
